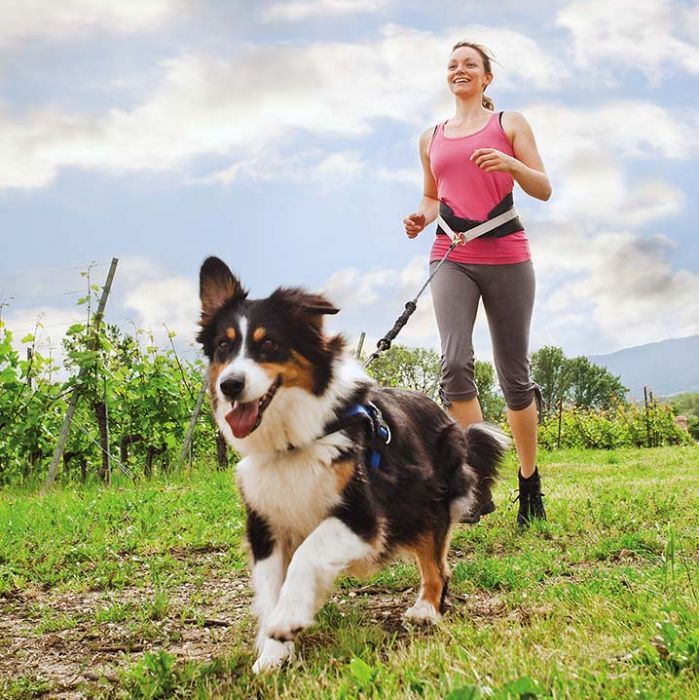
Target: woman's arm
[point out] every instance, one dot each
(428, 208)
(526, 167)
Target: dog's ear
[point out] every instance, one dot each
(305, 306)
(314, 307)
(217, 285)
(317, 304)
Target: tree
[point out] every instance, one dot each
(408, 368)
(593, 387)
(549, 371)
(574, 380)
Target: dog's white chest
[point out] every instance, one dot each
(293, 492)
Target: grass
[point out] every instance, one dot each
(602, 600)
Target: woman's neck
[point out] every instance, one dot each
(470, 110)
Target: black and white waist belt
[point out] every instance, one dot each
(502, 221)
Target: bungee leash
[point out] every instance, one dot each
(456, 239)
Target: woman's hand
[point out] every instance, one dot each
(414, 223)
(492, 160)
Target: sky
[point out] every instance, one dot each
(282, 137)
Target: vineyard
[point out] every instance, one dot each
(134, 401)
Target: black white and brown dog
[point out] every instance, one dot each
(337, 475)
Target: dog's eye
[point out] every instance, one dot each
(223, 345)
(269, 345)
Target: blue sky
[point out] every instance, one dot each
(282, 136)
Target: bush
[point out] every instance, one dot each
(626, 425)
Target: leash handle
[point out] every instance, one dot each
(385, 342)
(410, 306)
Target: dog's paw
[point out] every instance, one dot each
(285, 623)
(273, 655)
(422, 613)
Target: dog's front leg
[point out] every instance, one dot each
(269, 569)
(324, 554)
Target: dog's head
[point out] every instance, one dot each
(259, 347)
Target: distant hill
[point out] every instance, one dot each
(667, 368)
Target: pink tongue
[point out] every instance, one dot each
(242, 418)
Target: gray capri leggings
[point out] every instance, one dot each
(508, 298)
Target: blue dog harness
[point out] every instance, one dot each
(378, 432)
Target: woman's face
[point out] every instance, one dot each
(465, 72)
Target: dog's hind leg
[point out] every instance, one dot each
(430, 551)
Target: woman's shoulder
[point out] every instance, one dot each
(513, 122)
(429, 132)
(513, 117)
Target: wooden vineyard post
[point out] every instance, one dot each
(65, 429)
(193, 422)
(645, 401)
(360, 345)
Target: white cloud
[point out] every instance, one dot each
(596, 292)
(254, 101)
(311, 9)
(625, 128)
(22, 20)
(603, 291)
(587, 153)
(327, 171)
(644, 35)
(154, 298)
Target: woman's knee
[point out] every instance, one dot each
(457, 381)
(519, 396)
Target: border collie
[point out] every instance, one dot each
(337, 475)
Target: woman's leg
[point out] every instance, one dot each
(524, 431)
(455, 298)
(466, 412)
(508, 298)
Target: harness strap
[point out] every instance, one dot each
(379, 432)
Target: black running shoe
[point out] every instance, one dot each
(531, 505)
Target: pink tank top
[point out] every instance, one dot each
(472, 193)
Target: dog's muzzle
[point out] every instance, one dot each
(245, 417)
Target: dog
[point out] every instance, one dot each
(337, 475)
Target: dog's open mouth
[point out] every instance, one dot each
(245, 417)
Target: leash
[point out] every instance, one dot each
(456, 239)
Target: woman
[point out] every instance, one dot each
(470, 164)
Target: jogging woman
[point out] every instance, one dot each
(471, 162)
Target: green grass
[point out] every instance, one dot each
(601, 601)
(130, 535)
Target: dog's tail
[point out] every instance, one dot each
(486, 446)
(478, 449)
(471, 458)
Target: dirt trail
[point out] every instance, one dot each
(195, 621)
(56, 638)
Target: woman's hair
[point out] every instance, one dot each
(487, 65)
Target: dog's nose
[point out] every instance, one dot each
(232, 387)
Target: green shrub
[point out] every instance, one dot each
(626, 425)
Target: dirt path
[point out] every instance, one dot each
(73, 642)
(56, 638)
